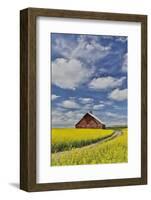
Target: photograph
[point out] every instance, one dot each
(89, 99)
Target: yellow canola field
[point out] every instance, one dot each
(63, 139)
(111, 151)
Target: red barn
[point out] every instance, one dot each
(90, 121)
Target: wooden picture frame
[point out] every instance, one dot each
(28, 98)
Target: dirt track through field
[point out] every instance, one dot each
(112, 136)
(115, 134)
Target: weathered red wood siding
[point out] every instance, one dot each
(89, 122)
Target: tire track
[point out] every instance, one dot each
(115, 134)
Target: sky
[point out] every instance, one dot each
(89, 73)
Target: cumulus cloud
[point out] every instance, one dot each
(122, 39)
(115, 119)
(62, 46)
(116, 122)
(53, 97)
(65, 119)
(85, 47)
(90, 51)
(69, 74)
(106, 82)
(106, 102)
(98, 107)
(108, 37)
(118, 95)
(124, 64)
(70, 104)
(85, 100)
(110, 114)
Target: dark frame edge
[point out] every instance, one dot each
(144, 145)
(27, 103)
(94, 15)
(87, 184)
(24, 182)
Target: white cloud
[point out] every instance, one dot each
(103, 70)
(65, 118)
(118, 95)
(108, 103)
(63, 46)
(98, 107)
(122, 39)
(85, 100)
(117, 122)
(124, 64)
(70, 104)
(106, 82)
(115, 119)
(90, 51)
(69, 74)
(116, 107)
(86, 108)
(53, 97)
(108, 37)
(86, 47)
(110, 114)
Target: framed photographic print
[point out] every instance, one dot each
(83, 93)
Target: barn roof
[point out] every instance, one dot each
(95, 118)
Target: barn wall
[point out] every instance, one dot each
(89, 122)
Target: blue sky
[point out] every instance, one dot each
(89, 73)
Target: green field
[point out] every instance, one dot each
(70, 147)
